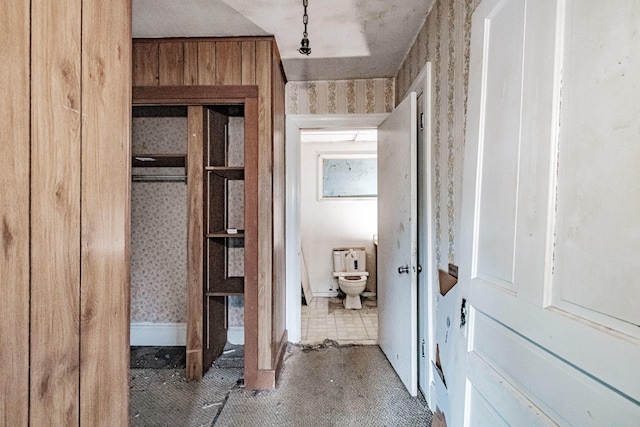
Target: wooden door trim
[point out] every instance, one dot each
(195, 225)
(193, 95)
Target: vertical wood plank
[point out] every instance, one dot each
(206, 63)
(279, 260)
(145, 64)
(55, 210)
(105, 210)
(228, 63)
(14, 215)
(195, 233)
(190, 63)
(265, 211)
(170, 63)
(248, 63)
(251, 242)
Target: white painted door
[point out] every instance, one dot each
(422, 156)
(397, 241)
(550, 227)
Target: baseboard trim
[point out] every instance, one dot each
(235, 335)
(328, 294)
(158, 334)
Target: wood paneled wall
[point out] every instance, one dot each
(240, 61)
(55, 213)
(178, 62)
(14, 214)
(105, 213)
(265, 199)
(65, 213)
(279, 195)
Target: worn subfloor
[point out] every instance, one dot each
(326, 384)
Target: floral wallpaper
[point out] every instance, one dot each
(444, 40)
(362, 96)
(159, 224)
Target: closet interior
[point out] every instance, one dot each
(220, 80)
(188, 223)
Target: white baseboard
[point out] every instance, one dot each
(335, 294)
(235, 335)
(172, 334)
(328, 294)
(158, 334)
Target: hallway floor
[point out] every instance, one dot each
(321, 385)
(326, 318)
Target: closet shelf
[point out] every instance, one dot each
(224, 294)
(159, 161)
(229, 172)
(219, 287)
(224, 234)
(159, 178)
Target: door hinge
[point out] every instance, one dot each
(421, 121)
(423, 348)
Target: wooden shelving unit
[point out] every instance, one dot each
(237, 72)
(220, 170)
(159, 161)
(227, 172)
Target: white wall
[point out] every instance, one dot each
(326, 224)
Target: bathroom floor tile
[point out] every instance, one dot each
(326, 318)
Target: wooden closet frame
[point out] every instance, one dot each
(246, 95)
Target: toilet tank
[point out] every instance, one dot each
(349, 260)
(338, 260)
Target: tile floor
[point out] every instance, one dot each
(326, 318)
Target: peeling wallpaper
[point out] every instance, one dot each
(362, 96)
(159, 225)
(444, 40)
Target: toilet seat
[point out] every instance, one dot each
(343, 274)
(353, 282)
(352, 286)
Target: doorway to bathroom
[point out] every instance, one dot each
(338, 212)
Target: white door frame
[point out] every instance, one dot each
(295, 123)
(422, 85)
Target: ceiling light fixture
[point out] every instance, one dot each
(304, 43)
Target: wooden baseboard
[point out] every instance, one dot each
(280, 354)
(265, 379)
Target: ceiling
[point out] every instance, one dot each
(349, 39)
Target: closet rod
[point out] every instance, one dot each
(159, 178)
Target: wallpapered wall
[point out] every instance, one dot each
(363, 96)
(159, 225)
(444, 40)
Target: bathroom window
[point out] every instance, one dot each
(348, 176)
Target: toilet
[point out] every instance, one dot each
(349, 265)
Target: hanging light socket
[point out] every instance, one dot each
(304, 46)
(304, 43)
